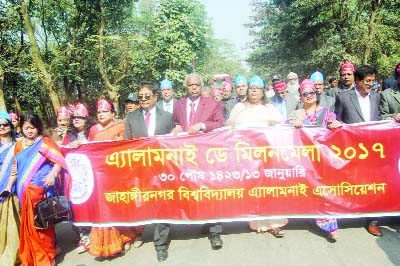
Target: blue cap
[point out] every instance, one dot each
(240, 79)
(256, 80)
(132, 97)
(5, 115)
(165, 83)
(317, 76)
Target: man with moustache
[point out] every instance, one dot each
(149, 120)
(284, 102)
(324, 99)
(195, 114)
(360, 104)
(346, 77)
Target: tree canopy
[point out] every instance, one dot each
(59, 52)
(305, 35)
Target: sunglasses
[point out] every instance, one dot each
(144, 97)
(4, 124)
(306, 94)
(78, 117)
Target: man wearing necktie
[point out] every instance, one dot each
(194, 114)
(149, 120)
(167, 94)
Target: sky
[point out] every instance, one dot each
(228, 19)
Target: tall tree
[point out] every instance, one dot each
(37, 58)
(302, 36)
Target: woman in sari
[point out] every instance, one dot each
(315, 115)
(109, 241)
(76, 135)
(38, 164)
(255, 112)
(9, 204)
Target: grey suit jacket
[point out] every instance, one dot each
(159, 104)
(291, 103)
(348, 110)
(327, 101)
(135, 126)
(390, 102)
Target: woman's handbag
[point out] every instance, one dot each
(51, 211)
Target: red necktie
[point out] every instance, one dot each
(192, 113)
(147, 119)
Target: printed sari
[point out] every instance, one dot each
(109, 241)
(34, 163)
(9, 211)
(321, 118)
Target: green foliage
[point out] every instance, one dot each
(143, 40)
(305, 35)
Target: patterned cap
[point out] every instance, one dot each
(307, 83)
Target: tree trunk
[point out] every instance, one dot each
(2, 101)
(37, 59)
(371, 30)
(112, 88)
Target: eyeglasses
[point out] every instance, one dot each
(5, 124)
(306, 94)
(369, 81)
(78, 117)
(144, 97)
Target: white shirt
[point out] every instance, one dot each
(152, 126)
(168, 106)
(365, 106)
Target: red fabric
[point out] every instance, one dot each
(191, 116)
(307, 83)
(36, 247)
(280, 86)
(347, 66)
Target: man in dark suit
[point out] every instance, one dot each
(346, 81)
(324, 99)
(390, 99)
(360, 105)
(194, 114)
(149, 120)
(394, 81)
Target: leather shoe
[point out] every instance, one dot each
(162, 255)
(374, 230)
(216, 241)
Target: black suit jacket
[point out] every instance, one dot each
(348, 110)
(135, 126)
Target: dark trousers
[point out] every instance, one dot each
(215, 228)
(161, 233)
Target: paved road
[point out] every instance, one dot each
(303, 245)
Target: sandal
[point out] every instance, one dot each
(333, 235)
(277, 232)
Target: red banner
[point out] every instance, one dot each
(241, 174)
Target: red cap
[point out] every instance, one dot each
(307, 83)
(280, 86)
(347, 66)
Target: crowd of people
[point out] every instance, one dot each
(31, 161)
